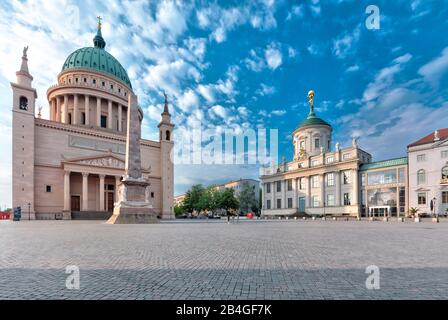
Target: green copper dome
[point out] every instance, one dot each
(312, 120)
(97, 59)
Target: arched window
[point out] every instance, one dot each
(167, 135)
(445, 172)
(23, 103)
(421, 176)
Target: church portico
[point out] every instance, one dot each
(90, 184)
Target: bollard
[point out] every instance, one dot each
(314, 218)
(304, 218)
(324, 218)
(436, 220)
(335, 219)
(400, 219)
(295, 218)
(417, 219)
(386, 219)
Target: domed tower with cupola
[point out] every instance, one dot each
(313, 136)
(92, 90)
(70, 165)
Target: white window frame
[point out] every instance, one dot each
(331, 203)
(421, 157)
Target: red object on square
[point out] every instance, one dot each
(250, 215)
(4, 215)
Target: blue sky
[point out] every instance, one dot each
(237, 65)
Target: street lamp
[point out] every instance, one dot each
(29, 211)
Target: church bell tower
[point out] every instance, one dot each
(23, 108)
(166, 145)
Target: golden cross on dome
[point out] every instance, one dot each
(99, 21)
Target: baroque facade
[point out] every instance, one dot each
(319, 180)
(428, 173)
(69, 166)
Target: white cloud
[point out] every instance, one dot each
(346, 43)
(352, 68)
(384, 78)
(296, 12)
(220, 111)
(292, 52)
(254, 62)
(273, 56)
(314, 49)
(434, 70)
(280, 112)
(266, 90)
(222, 20)
(188, 100)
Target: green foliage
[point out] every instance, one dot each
(179, 210)
(247, 199)
(228, 201)
(202, 199)
(193, 198)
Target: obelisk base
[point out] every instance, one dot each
(133, 206)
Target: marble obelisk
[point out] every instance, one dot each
(133, 204)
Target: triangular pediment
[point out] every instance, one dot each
(104, 161)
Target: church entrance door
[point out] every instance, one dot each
(76, 203)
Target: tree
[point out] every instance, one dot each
(192, 200)
(179, 210)
(247, 199)
(228, 201)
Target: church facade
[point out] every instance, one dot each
(69, 166)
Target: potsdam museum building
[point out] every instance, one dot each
(69, 166)
(321, 181)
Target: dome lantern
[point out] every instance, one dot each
(98, 41)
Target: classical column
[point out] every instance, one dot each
(322, 191)
(117, 182)
(87, 109)
(355, 187)
(52, 111)
(102, 176)
(109, 115)
(98, 111)
(67, 191)
(308, 200)
(120, 117)
(75, 109)
(65, 112)
(85, 192)
(284, 186)
(337, 181)
(295, 186)
(58, 109)
(273, 191)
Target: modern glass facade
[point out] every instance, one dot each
(383, 188)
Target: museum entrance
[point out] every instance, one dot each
(76, 203)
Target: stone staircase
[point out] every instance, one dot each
(91, 215)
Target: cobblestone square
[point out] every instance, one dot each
(214, 260)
